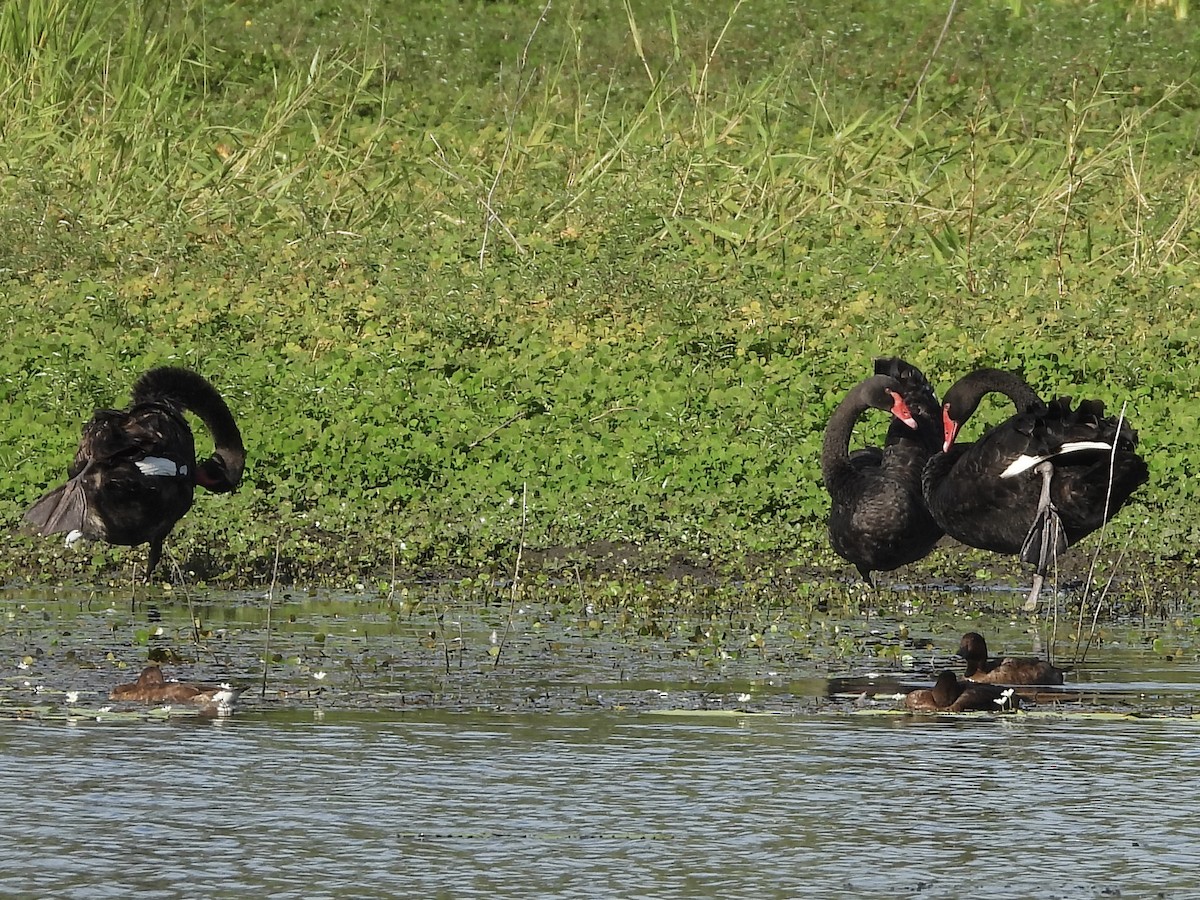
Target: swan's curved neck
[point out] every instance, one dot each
(963, 398)
(223, 470)
(835, 448)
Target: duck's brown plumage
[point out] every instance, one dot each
(152, 687)
(949, 694)
(134, 474)
(1006, 670)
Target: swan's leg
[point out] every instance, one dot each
(156, 546)
(1047, 521)
(1032, 602)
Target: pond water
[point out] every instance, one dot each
(583, 764)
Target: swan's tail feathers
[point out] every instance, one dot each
(63, 509)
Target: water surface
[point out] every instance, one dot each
(599, 804)
(454, 750)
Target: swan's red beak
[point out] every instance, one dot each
(901, 411)
(949, 429)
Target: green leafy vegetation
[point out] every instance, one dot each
(621, 260)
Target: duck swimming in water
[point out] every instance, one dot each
(152, 687)
(948, 694)
(135, 471)
(1007, 670)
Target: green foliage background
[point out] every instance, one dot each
(623, 257)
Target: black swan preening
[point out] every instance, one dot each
(948, 694)
(135, 470)
(1006, 670)
(877, 518)
(1036, 483)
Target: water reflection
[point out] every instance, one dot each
(594, 805)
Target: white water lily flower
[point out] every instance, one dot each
(743, 698)
(72, 696)
(320, 676)
(1004, 697)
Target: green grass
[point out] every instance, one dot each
(627, 258)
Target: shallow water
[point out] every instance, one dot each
(589, 762)
(601, 804)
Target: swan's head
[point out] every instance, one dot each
(900, 409)
(222, 472)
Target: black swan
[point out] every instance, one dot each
(877, 519)
(1009, 670)
(135, 471)
(1036, 483)
(951, 695)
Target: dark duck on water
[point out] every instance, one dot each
(949, 694)
(1005, 670)
(152, 687)
(135, 471)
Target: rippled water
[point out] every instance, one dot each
(602, 804)
(390, 757)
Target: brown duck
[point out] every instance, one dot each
(1007, 670)
(151, 687)
(951, 695)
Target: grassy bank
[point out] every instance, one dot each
(605, 272)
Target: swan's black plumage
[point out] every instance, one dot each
(877, 517)
(1036, 483)
(135, 471)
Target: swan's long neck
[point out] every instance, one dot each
(835, 449)
(966, 393)
(223, 470)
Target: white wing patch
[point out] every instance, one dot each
(1025, 462)
(158, 465)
